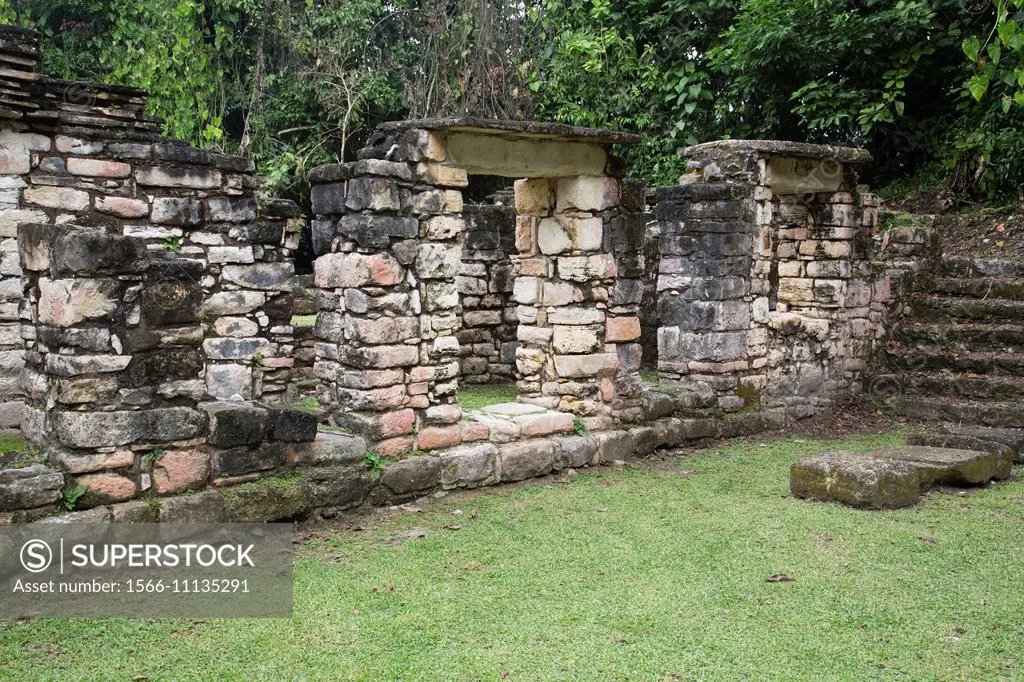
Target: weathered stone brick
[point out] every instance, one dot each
(533, 196)
(528, 459)
(267, 276)
(434, 437)
(104, 489)
(570, 366)
(552, 237)
(438, 261)
(575, 339)
(356, 270)
(231, 209)
(63, 198)
(122, 207)
(178, 470)
(98, 168)
(176, 211)
(178, 176)
(375, 194)
(234, 424)
(586, 193)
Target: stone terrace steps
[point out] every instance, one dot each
(938, 307)
(959, 266)
(974, 335)
(1009, 288)
(987, 363)
(1001, 414)
(972, 386)
(958, 357)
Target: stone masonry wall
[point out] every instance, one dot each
(95, 160)
(488, 336)
(767, 292)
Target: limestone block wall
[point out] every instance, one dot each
(487, 339)
(572, 234)
(767, 291)
(97, 160)
(388, 236)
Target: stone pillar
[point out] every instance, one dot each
(566, 271)
(765, 286)
(388, 237)
(113, 358)
(706, 296)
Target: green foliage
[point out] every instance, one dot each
(72, 495)
(153, 456)
(294, 84)
(256, 361)
(579, 427)
(172, 243)
(373, 462)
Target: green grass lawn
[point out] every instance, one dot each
(633, 574)
(12, 443)
(473, 397)
(303, 320)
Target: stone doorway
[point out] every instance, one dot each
(389, 237)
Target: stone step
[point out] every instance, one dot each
(932, 308)
(1004, 415)
(1010, 288)
(893, 476)
(972, 335)
(987, 363)
(961, 266)
(974, 386)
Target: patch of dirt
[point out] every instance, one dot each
(983, 234)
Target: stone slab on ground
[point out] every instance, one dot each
(856, 479)
(1012, 438)
(893, 476)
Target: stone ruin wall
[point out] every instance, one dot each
(149, 301)
(769, 289)
(147, 285)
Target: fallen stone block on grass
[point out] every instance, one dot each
(893, 476)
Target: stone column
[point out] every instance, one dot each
(765, 289)
(388, 238)
(565, 275)
(706, 299)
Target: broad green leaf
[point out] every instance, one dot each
(971, 46)
(977, 86)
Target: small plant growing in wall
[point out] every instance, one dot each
(153, 456)
(256, 360)
(373, 462)
(72, 495)
(172, 243)
(579, 427)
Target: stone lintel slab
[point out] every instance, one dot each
(770, 148)
(513, 129)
